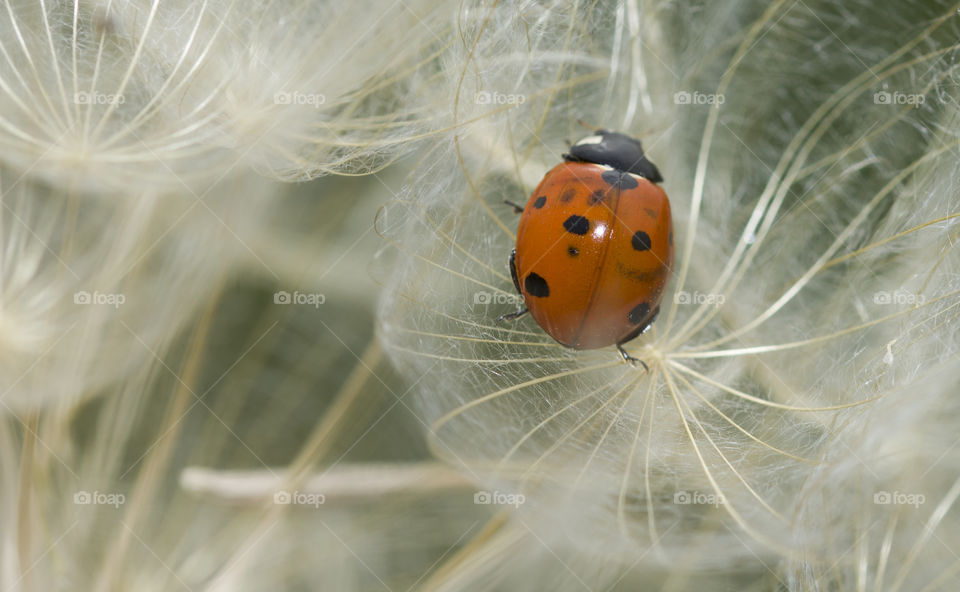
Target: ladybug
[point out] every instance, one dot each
(594, 247)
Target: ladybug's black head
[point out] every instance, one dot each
(617, 150)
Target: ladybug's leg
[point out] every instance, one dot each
(630, 359)
(641, 328)
(516, 283)
(512, 316)
(517, 208)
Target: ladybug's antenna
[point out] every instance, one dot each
(589, 126)
(593, 128)
(649, 131)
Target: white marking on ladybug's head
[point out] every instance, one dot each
(602, 167)
(589, 140)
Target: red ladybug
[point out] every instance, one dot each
(594, 248)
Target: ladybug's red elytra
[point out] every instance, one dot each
(594, 247)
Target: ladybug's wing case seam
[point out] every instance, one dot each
(614, 197)
(634, 272)
(542, 236)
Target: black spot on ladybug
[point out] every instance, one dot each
(577, 225)
(611, 177)
(640, 241)
(536, 286)
(596, 197)
(619, 179)
(573, 251)
(568, 195)
(538, 203)
(638, 313)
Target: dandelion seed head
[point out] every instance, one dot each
(775, 328)
(107, 96)
(81, 306)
